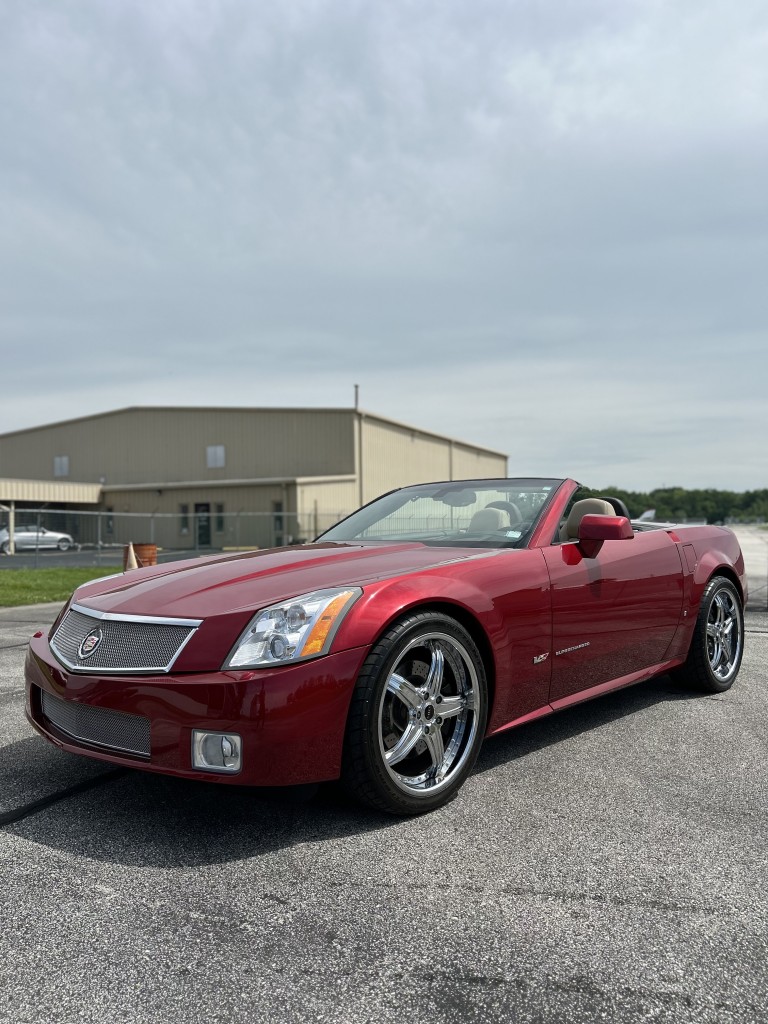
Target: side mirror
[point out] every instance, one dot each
(595, 530)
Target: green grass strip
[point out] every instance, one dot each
(39, 586)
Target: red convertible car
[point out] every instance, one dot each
(384, 653)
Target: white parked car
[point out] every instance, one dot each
(28, 537)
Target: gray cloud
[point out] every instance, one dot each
(541, 227)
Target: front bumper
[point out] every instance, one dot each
(291, 719)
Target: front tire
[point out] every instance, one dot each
(717, 644)
(417, 717)
(64, 545)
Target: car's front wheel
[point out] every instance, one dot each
(64, 544)
(718, 639)
(417, 717)
(6, 548)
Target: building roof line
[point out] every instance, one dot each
(359, 413)
(176, 408)
(421, 432)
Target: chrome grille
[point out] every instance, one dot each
(126, 643)
(101, 727)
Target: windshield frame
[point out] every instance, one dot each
(351, 528)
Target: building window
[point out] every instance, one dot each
(184, 518)
(219, 521)
(61, 465)
(215, 456)
(110, 523)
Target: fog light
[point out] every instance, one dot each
(216, 751)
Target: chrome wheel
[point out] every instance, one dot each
(427, 716)
(417, 716)
(717, 643)
(724, 635)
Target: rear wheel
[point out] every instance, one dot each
(718, 639)
(417, 717)
(6, 547)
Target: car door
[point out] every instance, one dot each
(24, 537)
(614, 614)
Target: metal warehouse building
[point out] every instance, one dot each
(226, 476)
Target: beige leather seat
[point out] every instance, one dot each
(488, 520)
(586, 507)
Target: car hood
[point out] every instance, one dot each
(198, 588)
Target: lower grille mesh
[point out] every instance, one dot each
(102, 727)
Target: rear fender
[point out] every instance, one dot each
(723, 558)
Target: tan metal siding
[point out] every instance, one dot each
(166, 445)
(395, 456)
(162, 447)
(45, 491)
(474, 462)
(247, 512)
(320, 506)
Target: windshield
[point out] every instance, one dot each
(472, 513)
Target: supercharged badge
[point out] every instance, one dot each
(569, 650)
(90, 643)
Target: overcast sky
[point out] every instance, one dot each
(536, 225)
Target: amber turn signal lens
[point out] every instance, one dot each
(315, 642)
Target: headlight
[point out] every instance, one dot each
(294, 630)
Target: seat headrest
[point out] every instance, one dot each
(487, 520)
(586, 507)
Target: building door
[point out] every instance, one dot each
(203, 520)
(278, 536)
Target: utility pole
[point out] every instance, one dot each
(359, 432)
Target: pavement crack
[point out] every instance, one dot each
(35, 806)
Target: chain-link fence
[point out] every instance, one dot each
(103, 535)
(197, 530)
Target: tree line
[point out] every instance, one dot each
(677, 504)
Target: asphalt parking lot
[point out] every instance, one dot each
(607, 863)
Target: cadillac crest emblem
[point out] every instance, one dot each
(90, 643)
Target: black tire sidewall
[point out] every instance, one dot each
(698, 667)
(373, 679)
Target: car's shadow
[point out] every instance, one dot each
(141, 819)
(592, 714)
